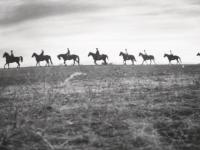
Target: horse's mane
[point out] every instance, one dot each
(35, 54)
(6, 53)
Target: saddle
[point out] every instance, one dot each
(99, 56)
(127, 55)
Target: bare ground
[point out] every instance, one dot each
(100, 107)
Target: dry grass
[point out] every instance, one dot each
(100, 107)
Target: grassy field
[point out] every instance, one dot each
(100, 108)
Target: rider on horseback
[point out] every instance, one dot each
(12, 55)
(145, 52)
(97, 51)
(126, 52)
(68, 51)
(42, 53)
(171, 53)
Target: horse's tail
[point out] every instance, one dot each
(154, 60)
(180, 59)
(21, 58)
(50, 60)
(78, 59)
(107, 57)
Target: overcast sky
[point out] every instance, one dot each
(27, 26)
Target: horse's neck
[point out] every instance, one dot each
(125, 55)
(93, 55)
(63, 55)
(8, 56)
(143, 55)
(36, 55)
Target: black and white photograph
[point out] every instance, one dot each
(99, 75)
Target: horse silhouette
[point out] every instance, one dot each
(40, 58)
(198, 54)
(173, 57)
(97, 57)
(127, 57)
(69, 57)
(10, 59)
(147, 57)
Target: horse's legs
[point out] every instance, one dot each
(178, 62)
(95, 62)
(77, 60)
(38, 63)
(143, 62)
(5, 65)
(65, 63)
(154, 61)
(105, 61)
(74, 62)
(18, 65)
(47, 63)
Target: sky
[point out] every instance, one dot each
(158, 26)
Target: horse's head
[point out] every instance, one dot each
(5, 54)
(165, 55)
(59, 57)
(34, 54)
(140, 54)
(89, 54)
(198, 54)
(120, 54)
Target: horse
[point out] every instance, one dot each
(147, 57)
(97, 57)
(39, 58)
(69, 57)
(198, 54)
(10, 59)
(173, 57)
(127, 57)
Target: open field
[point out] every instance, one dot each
(100, 108)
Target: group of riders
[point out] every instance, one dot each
(96, 56)
(97, 52)
(41, 54)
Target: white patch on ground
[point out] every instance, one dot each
(70, 87)
(76, 74)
